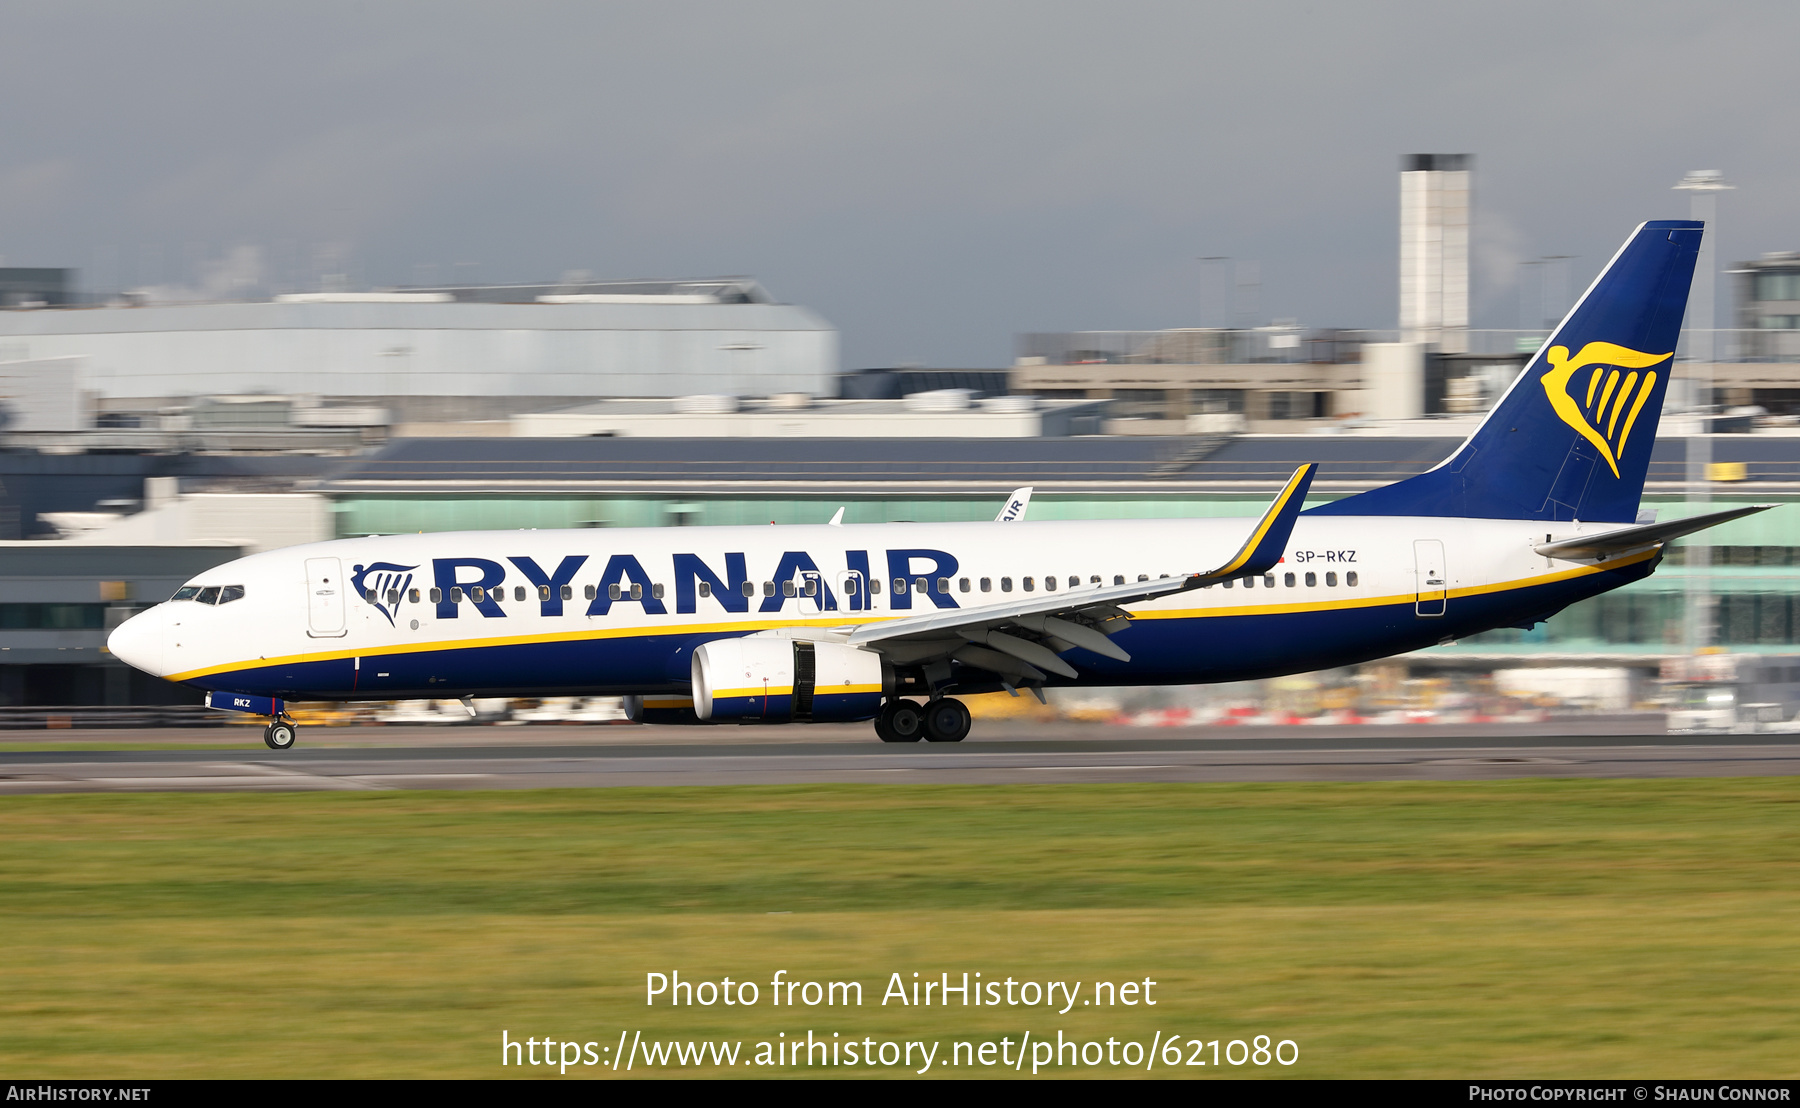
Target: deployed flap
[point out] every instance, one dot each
(1260, 552)
(1630, 538)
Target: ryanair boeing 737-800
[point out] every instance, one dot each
(1537, 510)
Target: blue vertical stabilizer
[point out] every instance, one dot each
(1571, 439)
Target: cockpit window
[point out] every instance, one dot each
(209, 595)
(186, 592)
(230, 593)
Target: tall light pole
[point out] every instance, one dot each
(1703, 187)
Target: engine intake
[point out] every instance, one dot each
(786, 681)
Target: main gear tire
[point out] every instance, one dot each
(900, 721)
(947, 720)
(279, 735)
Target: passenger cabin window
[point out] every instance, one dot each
(637, 591)
(1143, 577)
(987, 584)
(943, 585)
(850, 585)
(456, 594)
(1005, 584)
(393, 597)
(1331, 580)
(787, 588)
(1228, 582)
(1350, 579)
(1050, 583)
(412, 595)
(1074, 580)
(186, 592)
(899, 586)
(568, 592)
(230, 593)
(706, 588)
(209, 595)
(613, 592)
(1028, 584)
(587, 592)
(656, 591)
(1118, 578)
(1268, 580)
(874, 586)
(519, 592)
(437, 596)
(1312, 580)
(921, 586)
(769, 588)
(748, 589)
(544, 592)
(1288, 580)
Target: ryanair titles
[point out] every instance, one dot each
(724, 581)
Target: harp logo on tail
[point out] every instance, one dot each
(1603, 403)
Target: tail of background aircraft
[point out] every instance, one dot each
(1571, 439)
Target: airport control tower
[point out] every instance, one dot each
(1434, 250)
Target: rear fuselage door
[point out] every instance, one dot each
(325, 597)
(1433, 578)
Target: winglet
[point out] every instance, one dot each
(1015, 506)
(1263, 549)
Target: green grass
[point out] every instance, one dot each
(1528, 928)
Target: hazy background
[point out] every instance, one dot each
(932, 177)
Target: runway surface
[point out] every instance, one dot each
(370, 758)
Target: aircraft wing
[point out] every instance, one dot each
(1037, 628)
(1631, 538)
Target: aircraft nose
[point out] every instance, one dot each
(138, 642)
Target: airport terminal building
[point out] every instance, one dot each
(441, 354)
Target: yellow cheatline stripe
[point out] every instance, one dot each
(1394, 599)
(1268, 521)
(753, 693)
(840, 619)
(845, 690)
(853, 618)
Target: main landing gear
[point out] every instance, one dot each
(945, 720)
(279, 735)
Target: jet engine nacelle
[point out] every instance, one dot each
(786, 681)
(666, 710)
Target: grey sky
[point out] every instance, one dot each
(932, 177)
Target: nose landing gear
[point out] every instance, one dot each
(279, 735)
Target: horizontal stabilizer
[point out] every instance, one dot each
(1631, 538)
